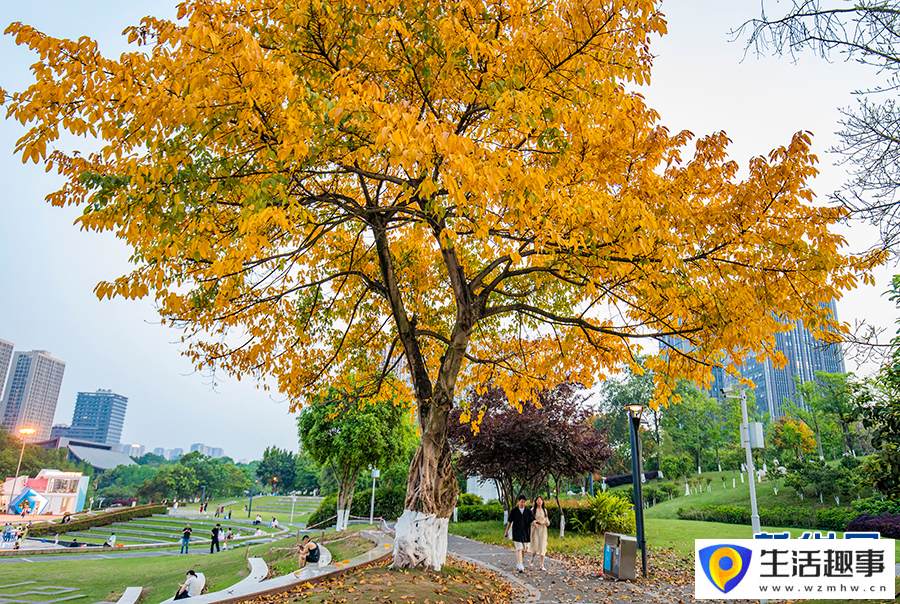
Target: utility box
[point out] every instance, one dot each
(756, 436)
(619, 555)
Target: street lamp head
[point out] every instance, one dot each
(27, 431)
(635, 410)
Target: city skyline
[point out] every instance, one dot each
(121, 344)
(32, 392)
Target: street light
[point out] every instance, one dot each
(25, 432)
(375, 474)
(274, 484)
(637, 470)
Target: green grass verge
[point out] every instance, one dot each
(737, 495)
(106, 580)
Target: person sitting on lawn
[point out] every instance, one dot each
(309, 552)
(111, 540)
(190, 587)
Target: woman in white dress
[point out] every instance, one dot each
(538, 544)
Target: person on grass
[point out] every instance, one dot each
(185, 538)
(111, 540)
(538, 544)
(309, 552)
(190, 587)
(214, 539)
(520, 520)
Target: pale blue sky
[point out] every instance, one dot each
(48, 268)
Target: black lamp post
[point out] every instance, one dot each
(637, 470)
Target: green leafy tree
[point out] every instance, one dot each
(688, 424)
(349, 433)
(636, 388)
(128, 477)
(837, 392)
(278, 469)
(150, 459)
(307, 472)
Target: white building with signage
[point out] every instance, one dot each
(50, 492)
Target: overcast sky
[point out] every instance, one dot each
(48, 268)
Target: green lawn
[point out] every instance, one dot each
(106, 580)
(303, 507)
(739, 495)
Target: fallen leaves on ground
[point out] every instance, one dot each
(457, 583)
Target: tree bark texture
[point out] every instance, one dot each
(431, 494)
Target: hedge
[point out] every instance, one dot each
(830, 519)
(579, 510)
(104, 519)
(615, 481)
(388, 505)
(480, 513)
(886, 524)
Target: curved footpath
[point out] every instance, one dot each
(559, 583)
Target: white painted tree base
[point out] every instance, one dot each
(421, 539)
(343, 517)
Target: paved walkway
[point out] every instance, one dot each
(560, 583)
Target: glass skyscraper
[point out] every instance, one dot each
(805, 355)
(98, 417)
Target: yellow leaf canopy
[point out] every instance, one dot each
(468, 190)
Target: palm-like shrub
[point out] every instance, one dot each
(607, 513)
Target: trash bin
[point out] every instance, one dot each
(619, 555)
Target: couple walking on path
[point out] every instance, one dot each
(529, 531)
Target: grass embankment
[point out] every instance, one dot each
(734, 492)
(456, 583)
(268, 506)
(106, 580)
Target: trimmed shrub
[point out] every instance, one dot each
(469, 499)
(670, 489)
(729, 514)
(104, 519)
(886, 524)
(480, 513)
(830, 519)
(605, 513)
(834, 519)
(875, 506)
(652, 496)
(388, 505)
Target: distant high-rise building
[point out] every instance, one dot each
(805, 355)
(6, 350)
(174, 454)
(32, 391)
(160, 451)
(208, 451)
(98, 417)
(135, 450)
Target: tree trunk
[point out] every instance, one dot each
(345, 498)
(431, 493)
(562, 517)
(818, 438)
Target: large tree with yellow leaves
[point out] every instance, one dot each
(466, 192)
